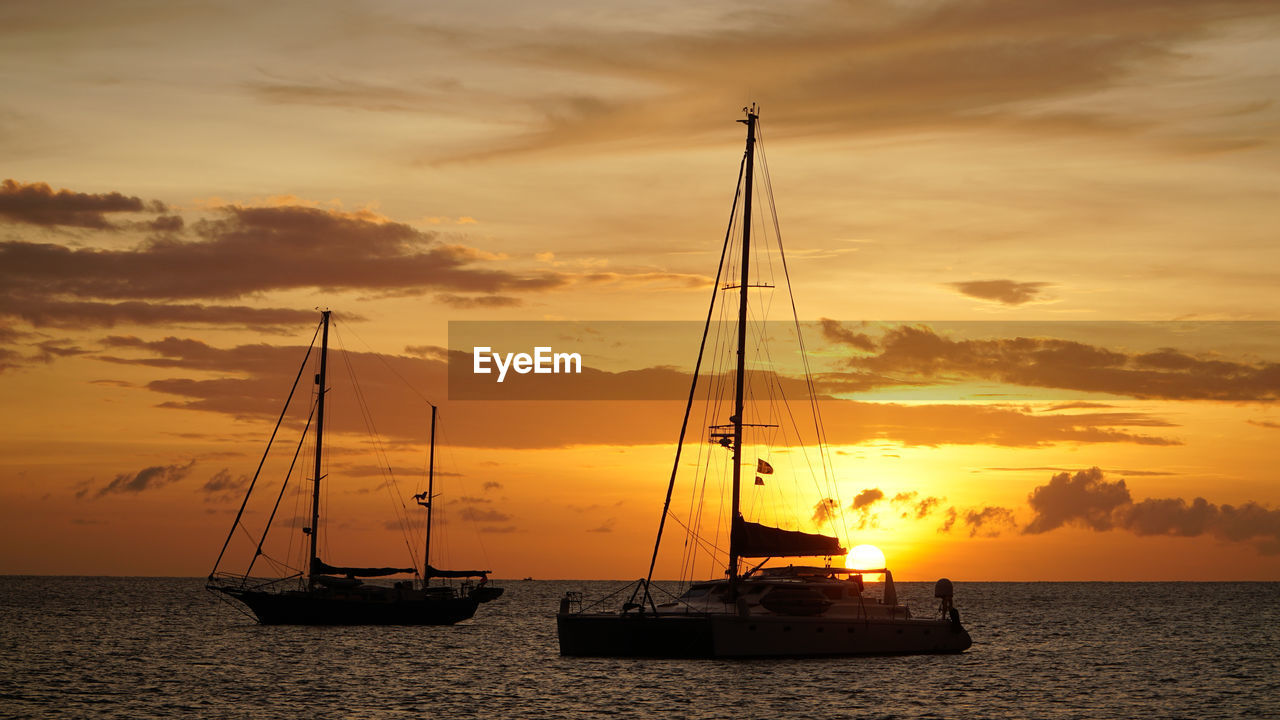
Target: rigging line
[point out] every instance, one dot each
(786, 405)
(283, 486)
(257, 472)
(708, 546)
(380, 452)
(443, 430)
(823, 451)
(675, 466)
(384, 361)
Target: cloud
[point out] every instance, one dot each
(824, 511)
(949, 522)
(151, 478)
(252, 379)
(920, 509)
(1088, 500)
(470, 302)
(248, 250)
(988, 521)
(45, 311)
(605, 527)
(862, 507)
(942, 66)
(867, 497)
(50, 349)
(491, 485)
(482, 515)
(194, 272)
(920, 354)
(1084, 498)
(39, 204)
(1005, 292)
(833, 331)
(223, 486)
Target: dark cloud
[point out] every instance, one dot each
(41, 311)
(224, 486)
(988, 521)
(48, 350)
(248, 250)
(1088, 500)
(39, 204)
(949, 522)
(1265, 424)
(863, 508)
(918, 352)
(245, 252)
(867, 498)
(149, 478)
(605, 527)
(491, 485)
(1006, 292)
(913, 508)
(833, 331)
(824, 511)
(252, 379)
(1085, 498)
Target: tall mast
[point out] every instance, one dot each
(431, 482)
(750, 122)
(315, 492)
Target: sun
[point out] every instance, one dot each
(864, 557)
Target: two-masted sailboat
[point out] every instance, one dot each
(785, 611)
(324, 594)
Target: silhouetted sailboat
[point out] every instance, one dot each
(773, 611)
(324, 594)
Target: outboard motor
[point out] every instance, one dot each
(942, 590)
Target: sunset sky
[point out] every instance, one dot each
(1034, 245)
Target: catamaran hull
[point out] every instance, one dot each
(305, 609)
(731, 636)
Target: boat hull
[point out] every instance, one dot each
(304, 608)
(732, 636)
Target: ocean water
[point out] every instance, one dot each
(166, 648)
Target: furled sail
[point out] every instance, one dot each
(436, 573)
(756, 540)
(320, 567)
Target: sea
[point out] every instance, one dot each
(95, 647)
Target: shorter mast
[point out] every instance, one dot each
(314, 530)
(431, 482)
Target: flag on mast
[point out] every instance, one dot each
(759, 480)
(763, 467)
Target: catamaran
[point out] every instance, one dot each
(753, 610)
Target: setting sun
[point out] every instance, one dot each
(865, 557)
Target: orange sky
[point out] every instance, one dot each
(183, 186)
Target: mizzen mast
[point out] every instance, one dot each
(313, 531)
